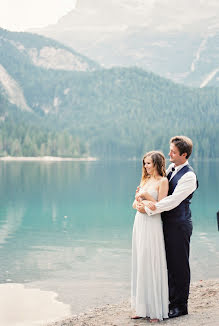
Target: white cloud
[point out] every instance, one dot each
(19, 15)
(24, 14)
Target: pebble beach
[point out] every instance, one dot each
(203, 311)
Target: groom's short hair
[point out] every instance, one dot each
(183, 143)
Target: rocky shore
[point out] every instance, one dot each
(203, 311)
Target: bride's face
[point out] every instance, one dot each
(148, 164)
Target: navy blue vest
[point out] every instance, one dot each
(181, 213)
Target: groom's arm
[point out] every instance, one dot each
(186, 186)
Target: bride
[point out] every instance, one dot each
(149, 283)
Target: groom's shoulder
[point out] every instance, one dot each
(190, 168)
(192, 175)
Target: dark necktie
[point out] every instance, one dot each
(170, 173)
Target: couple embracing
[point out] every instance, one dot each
(161, 242)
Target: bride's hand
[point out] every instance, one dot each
(138, 197)
(151, 205)
(140, 207)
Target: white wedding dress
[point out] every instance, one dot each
(149, 284)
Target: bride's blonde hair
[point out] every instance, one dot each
(159, 163)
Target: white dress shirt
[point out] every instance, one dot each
(185, 186)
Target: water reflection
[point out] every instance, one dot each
(11, 218)
(65, 224)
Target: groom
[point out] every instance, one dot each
(177, 223)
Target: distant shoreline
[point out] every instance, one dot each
(78, 159)
(46, 158)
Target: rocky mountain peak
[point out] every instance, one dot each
(177, 42)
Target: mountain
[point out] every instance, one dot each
(177, 42)
(108, 113)
(34, 51)
(43, 52)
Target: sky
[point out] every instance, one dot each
(20, 15)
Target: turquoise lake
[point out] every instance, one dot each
(67, 226)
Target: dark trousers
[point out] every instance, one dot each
(177, 244)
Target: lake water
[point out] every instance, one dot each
(66, 227)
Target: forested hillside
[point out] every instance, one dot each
(115, 113)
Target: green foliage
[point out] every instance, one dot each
(23, 140)
(115, 113)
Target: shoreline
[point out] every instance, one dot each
(78, 159)
(46, 158)
(35, 307)
(203, 311)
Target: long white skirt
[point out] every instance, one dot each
(149, 283)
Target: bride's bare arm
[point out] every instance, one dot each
(137, 198)
(163, 189)
(147, 197)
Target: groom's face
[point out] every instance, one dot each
(175, 156)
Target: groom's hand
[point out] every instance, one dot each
(151, 205)
(140, 207)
